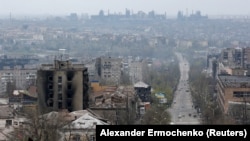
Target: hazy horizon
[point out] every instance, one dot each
(170, 7)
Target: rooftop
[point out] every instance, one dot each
(81, 119)
(141, 84)
(6, 112)
(235, 81)
(86, 121)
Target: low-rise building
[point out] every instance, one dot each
(115, 103)
(20, 98)
(9, 122)
(83, 127)
(61, 125)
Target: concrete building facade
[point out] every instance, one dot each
(109, 70)
(136, 71)
(62, 85)
(20, 77)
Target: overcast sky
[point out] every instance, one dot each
(171, 7)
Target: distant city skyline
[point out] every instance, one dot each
(92, 7)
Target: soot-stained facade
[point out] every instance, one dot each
(62, 85)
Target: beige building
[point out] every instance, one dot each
(232, 89)
(62, 85)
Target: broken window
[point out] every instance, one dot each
(59, 96)
(50, 94)
(8, 122)
(50, 102)
(50, 86)
(69, 86)
(59, 89)
(59, 105)
(50, 78)
(59, 79)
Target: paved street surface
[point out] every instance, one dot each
(182, 109)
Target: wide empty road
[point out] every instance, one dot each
(182, 109)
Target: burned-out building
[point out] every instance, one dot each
(228, 61)
(213, 55)
(62, 85)
(143, 91)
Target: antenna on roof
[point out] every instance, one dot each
(61, 53)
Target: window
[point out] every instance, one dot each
(77, 138)
(92, 138)
(59, 96)
(59, 79)
(69, 86)
(50, 78)
(69, 103)
(70, 78)
(50, 102)
(248, 66)
(50, 86)
(8, 122)
(241, 94)
(59, 89)
(50, 94)
(69, 95)
(225, 55)
(59, 105)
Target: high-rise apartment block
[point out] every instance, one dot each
(62, 85)
(109, 69)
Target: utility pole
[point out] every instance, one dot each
(127, 107)
(244, 96)
(116, 116)
(244, 109)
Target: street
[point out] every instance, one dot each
(182, 110)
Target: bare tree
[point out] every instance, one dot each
(40, 127)
(157, 114)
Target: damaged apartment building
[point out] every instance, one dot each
(62, 85)
(234, 61)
